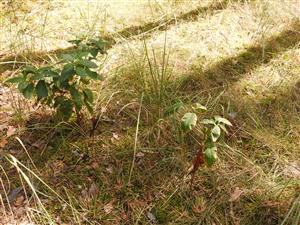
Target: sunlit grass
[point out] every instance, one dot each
(48, 25)
(241, 61)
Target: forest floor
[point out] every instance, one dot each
(238, 58)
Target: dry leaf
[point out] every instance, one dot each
(124, 216)
(88, 194)
(292, 170)
(140, 155)
(57, 167)
(95, 165)
(136, 204)
(151, 217)
(235, 195)
(3, 142)
(109, 170)
(19, 200)
(116, 136)
(84, 195)
(93, 190)
(20, 212)
(10, 131)
(108, 208)
(14, 194)
(198, 209)
(103, 109)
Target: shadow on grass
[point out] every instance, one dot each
(283, 107)
(231, 69)
(163, 24)
(11, 61)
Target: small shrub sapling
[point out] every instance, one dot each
(64, 87)
(212, 129)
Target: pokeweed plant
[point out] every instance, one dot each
(212, 129)
(64, 86)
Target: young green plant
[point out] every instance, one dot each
(212, 128)
(64, 87)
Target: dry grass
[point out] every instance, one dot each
(241, 62)
(48, 25)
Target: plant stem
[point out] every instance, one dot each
(136, 139)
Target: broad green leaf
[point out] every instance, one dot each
(43, 69)
(76, 96)
(210, 155)
(222, 126)
(88, 94)
(174, 108)
(64, 85)
(41, 89)
(67, 72)
(48, 72)
(87, 63)
(208, 121)
(99, 45)
(29, 69)
(81, 54)
(80, 70)
(22, 85)
(92, 74)
(215, 133)
(59, 100)
(28, 91)
(51, 73)
(198, 106)
(188, 121)
(56, 82)
(68, 57)
(15, 80)
(88, 106)
(94, 52)
(37, 76)
(223, 120)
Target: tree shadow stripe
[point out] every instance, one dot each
(163, 24)
(232, 68)
(127, 33)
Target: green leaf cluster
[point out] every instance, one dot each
(213, 128)
(64, 86)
